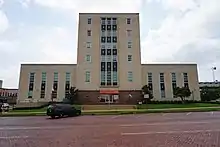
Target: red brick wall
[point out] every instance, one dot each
(91, 97)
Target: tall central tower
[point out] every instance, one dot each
(108, 57)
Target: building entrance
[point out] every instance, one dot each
(108, 98)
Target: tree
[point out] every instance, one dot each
(146, 94)
(210, 93)
(72, 96)
(182, 92)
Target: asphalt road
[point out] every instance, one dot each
(196, 129)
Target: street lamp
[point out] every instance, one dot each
(213, 73)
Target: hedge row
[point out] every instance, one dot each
(180, 102)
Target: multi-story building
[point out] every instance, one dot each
(1, 83)
(8, 95)
(108, 66)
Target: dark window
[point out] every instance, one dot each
(186, 85)
(114, 39)
(102, 83)
(42, 94)
(43, 86)
(103, 20)
(115, 83)
(108, 66)
(173, 85)
(109, 39)
(89, 33)
(102, 66)
(128, 21)
(31, 86)
(109, 27)
(150, 86)
(103, 51)
(67, 86)
(54, 94)
(89, 20)
(114, 51)
(55, 85)
(114, 66)
(108, 51)
(108, 21)
(114, 27)
(162, 86)
(103, 39)
(103, 27)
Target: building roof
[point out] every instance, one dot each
(172, 64)
(108, 13)
(41, 64)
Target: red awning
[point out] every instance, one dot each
(109, 92)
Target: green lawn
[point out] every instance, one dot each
(165, 106)
(144, 106)
(120, 112)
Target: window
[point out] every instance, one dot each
(109, 78)
(31, 78)
(149, 77)
(129, 44)
(108, 58)
(88, 44)
(103, 39)
(43, 76)
(114, 46)
(185, 77)
(108, 21)
(161, 77)
(114, 33)
(68, 76)
(87, 76)
(173, 77)
(108, 33)
(55, 76)
(114, 58)
(103, 58)
(114, 27)
(130, 76)
(103, 46)
(89, 33)
(103, 76)
(128, 20)
(108, 39)
(30, 94)
(88, 58)
(128, 33)
(114, 39)
(103, 33)
(129, 58)
(163, 95)
(43, 84)
(114, 21)
(89, 20)
(115, 76)
(103, 21)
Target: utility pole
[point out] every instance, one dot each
(213, 73)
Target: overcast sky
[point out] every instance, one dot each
(44, 31)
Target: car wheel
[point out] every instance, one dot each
(53, 117)
(78, 113)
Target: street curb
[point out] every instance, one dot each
(119, 112)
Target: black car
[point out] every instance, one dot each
(61, 110)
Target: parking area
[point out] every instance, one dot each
(196, 129)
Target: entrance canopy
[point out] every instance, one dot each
(109, 91)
